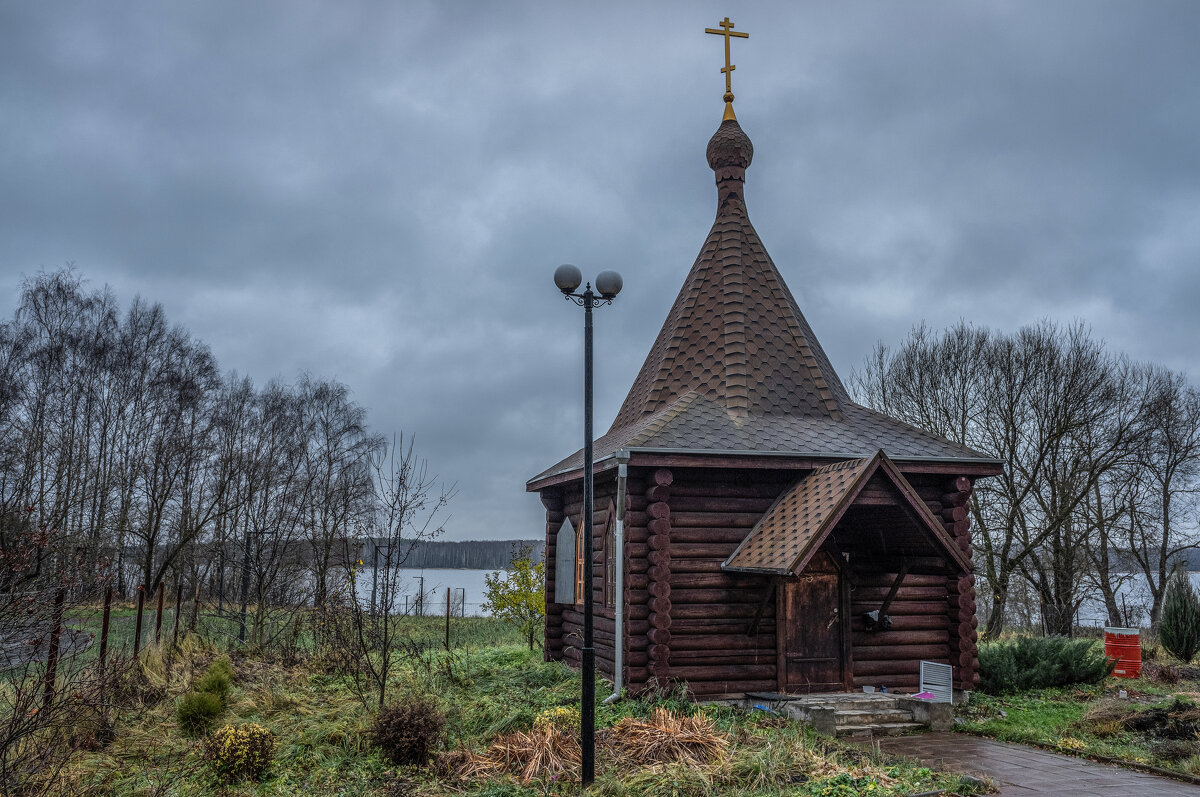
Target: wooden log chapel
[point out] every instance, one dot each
(777, 536)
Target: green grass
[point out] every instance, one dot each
(1062, 719)
(489, 684)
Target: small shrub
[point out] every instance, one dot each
(223, 666)
(217, 679)
(240, 752)
(565, 718)
(1038, 662)
(1179, 621)
(197, 710)
(215, 683)
(409, 731)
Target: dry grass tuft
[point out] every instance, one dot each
(451, 763)
(1105, 719)
(546, 752)
(665, 738)
(1161, 673)
(541, 752)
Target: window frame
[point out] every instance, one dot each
(610, 557)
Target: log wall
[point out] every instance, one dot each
(949, 498)
(711, 613)
(658, 575)
(687, 620)
(919, 629)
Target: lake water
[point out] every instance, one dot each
(466, 589)
(1137, 601)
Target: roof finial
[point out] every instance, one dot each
(727, 31)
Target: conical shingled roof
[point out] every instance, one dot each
(736, 367)
(735, 333)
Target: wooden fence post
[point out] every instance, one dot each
(104, 630)
(447, 618)
(52, 653)
(137, 630)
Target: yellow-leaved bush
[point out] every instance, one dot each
(240, 752)
(565, 718)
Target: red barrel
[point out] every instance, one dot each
(1124, 645)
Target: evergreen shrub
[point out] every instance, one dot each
(1039, 662)
(1179, 620)
(197, 710)
(216, 681)
(408, 731)
(240, 752)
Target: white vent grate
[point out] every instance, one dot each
(937, 679)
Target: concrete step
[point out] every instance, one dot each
(852, 704)
(873, 716)
(855, 713)
(877, 729)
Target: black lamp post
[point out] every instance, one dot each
(608, 283)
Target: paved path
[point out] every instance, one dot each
(1022, 771)
(15, 650)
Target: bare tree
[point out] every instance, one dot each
(336, 458)
(120, 429)
(1046, 401)
(368, 639)
(1163, 509)
(276, 491)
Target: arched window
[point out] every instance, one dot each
(564, 563)
(610, 558)
(580, 550)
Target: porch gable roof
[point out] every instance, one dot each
(787, 536)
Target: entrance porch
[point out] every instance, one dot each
(864, 579)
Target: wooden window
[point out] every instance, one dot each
(579, 571)
(610, 558)
(564, 563)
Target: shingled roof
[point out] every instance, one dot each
(736, 367)
(791, 531)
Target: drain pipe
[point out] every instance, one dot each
(619, 587)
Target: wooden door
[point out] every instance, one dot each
(813, 633)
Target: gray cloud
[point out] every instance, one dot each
(379, 192)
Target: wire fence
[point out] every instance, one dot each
(162, 615)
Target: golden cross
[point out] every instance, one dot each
(727, 31)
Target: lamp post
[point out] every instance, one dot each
(608, 283)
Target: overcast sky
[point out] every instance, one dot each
(379, 192)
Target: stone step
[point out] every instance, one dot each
(853, 704)
(873, 717)
(878, 729)
(855, 713)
